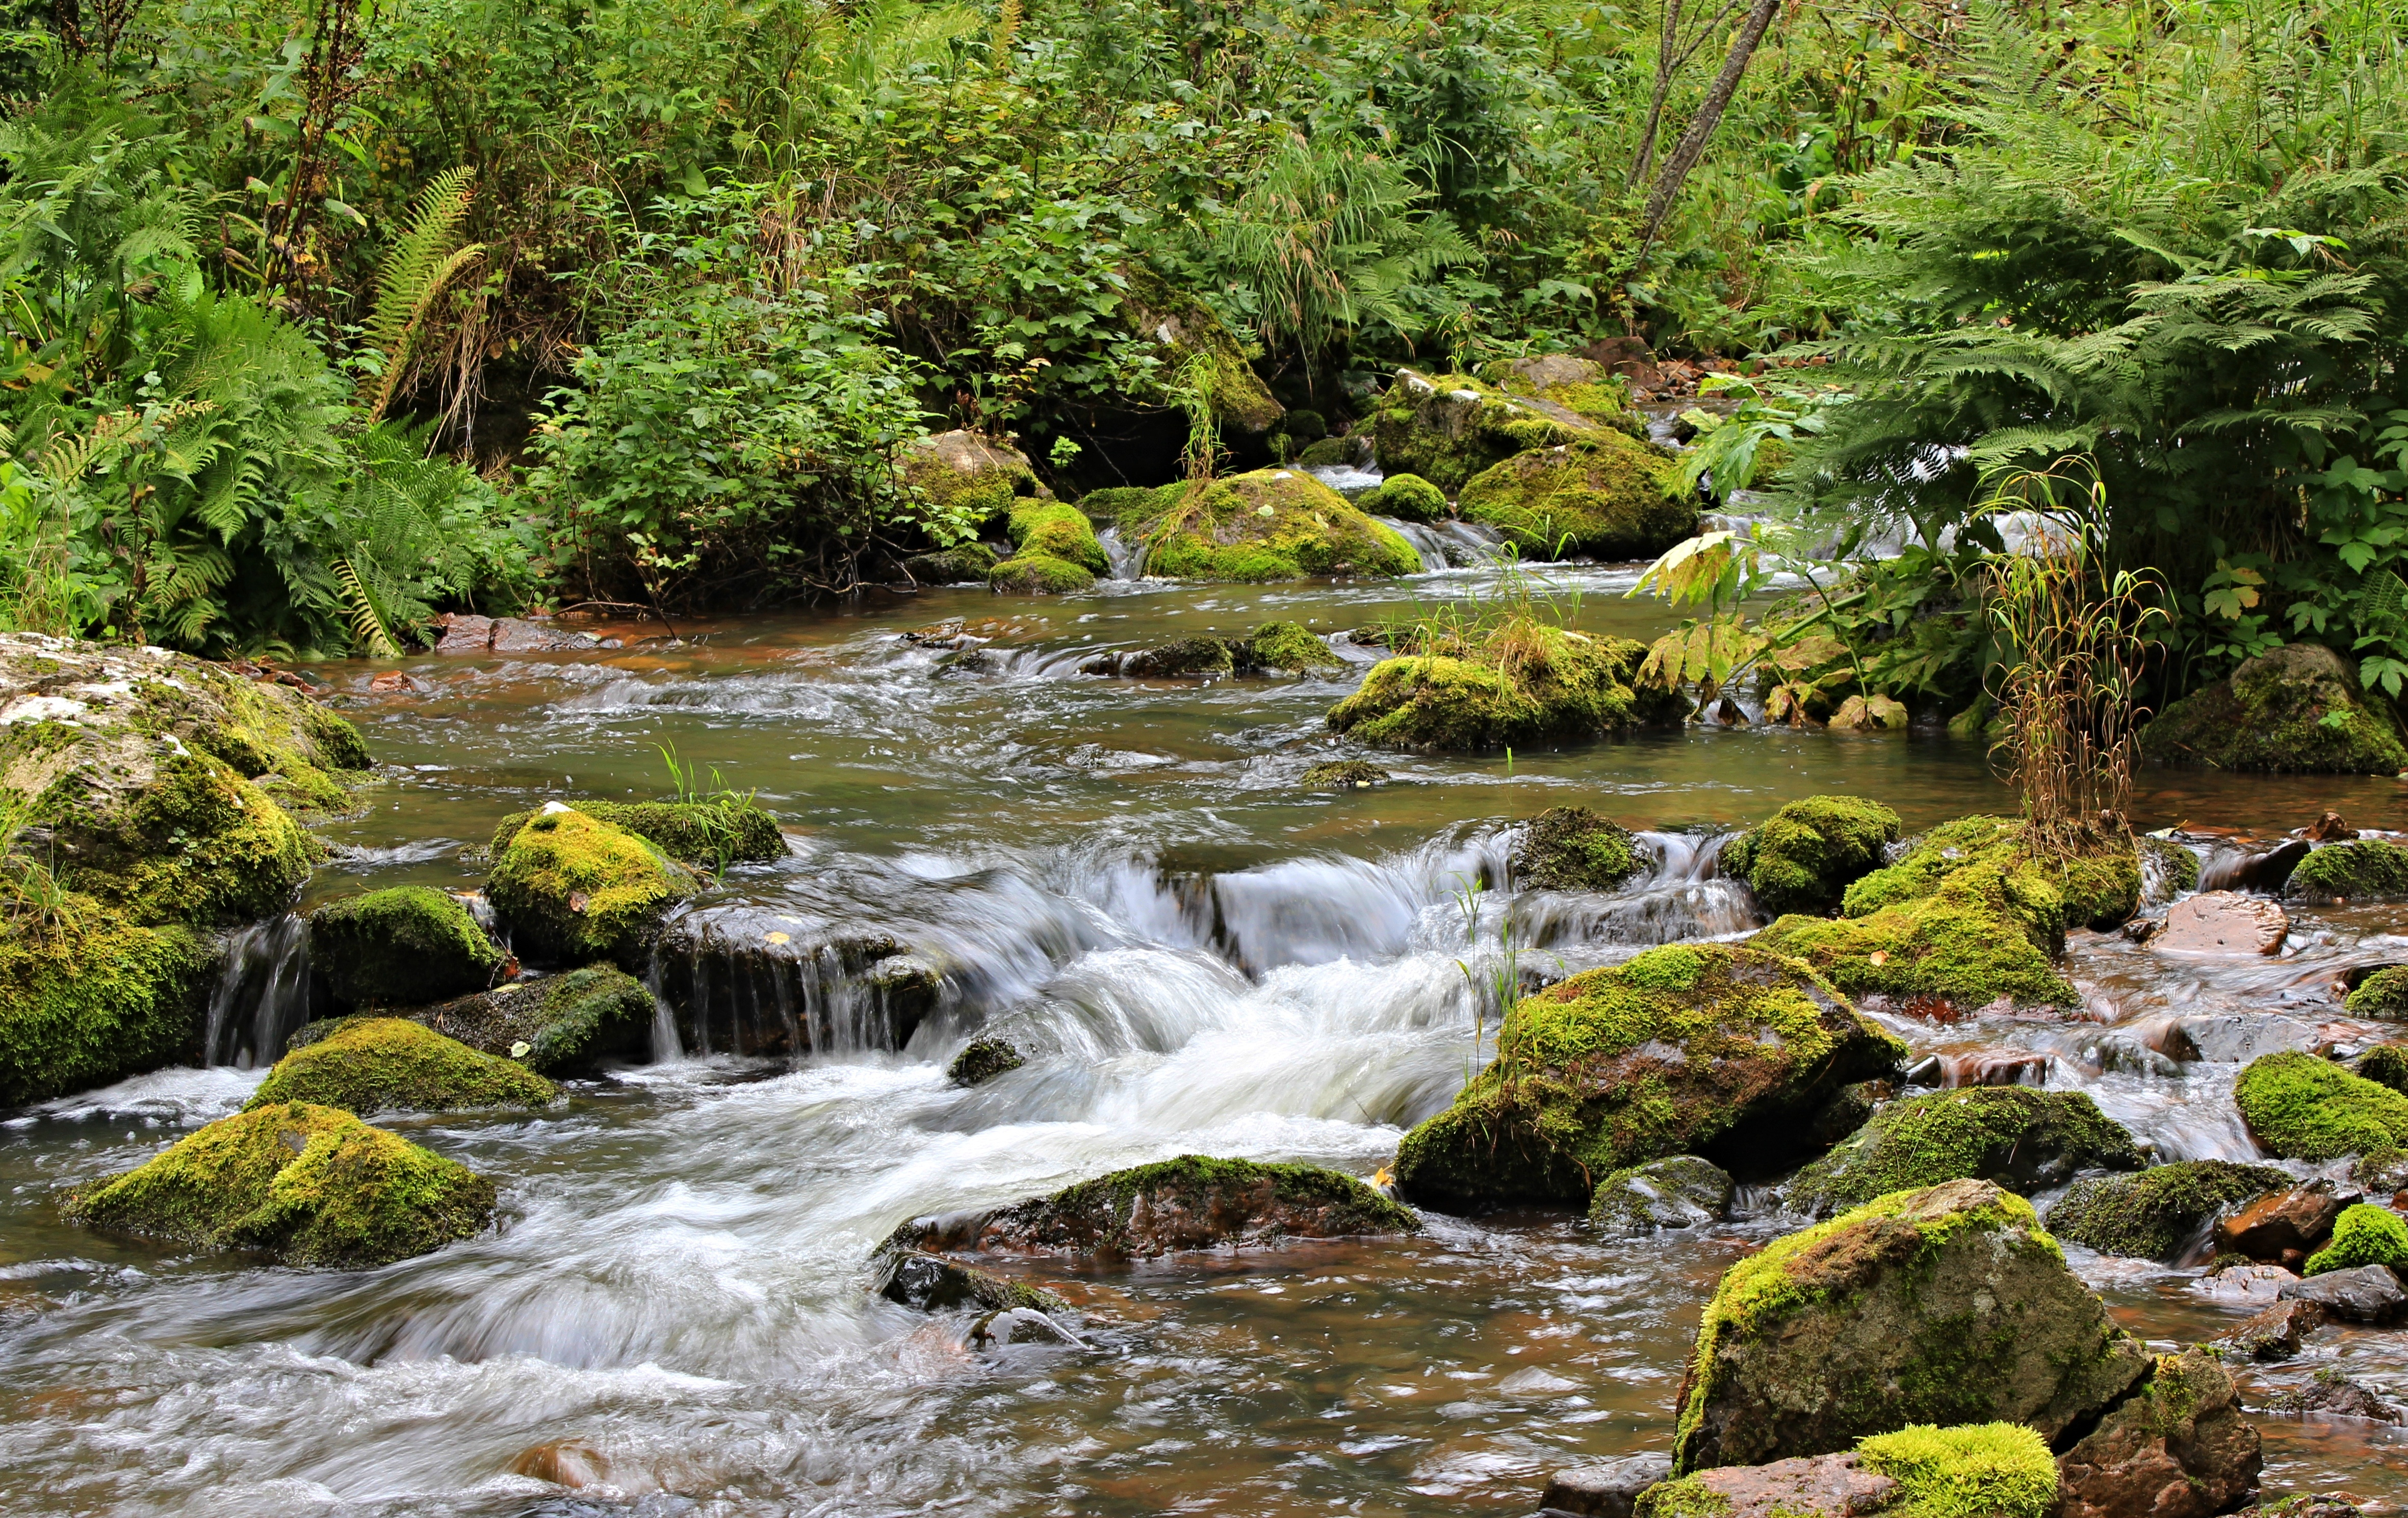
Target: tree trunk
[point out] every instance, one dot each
(1684, 155)
(1666, 61)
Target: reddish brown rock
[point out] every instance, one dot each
(2287, 1222)
(2275, 1333)
(574, 1463)
(2328, 828)
(1809, 1487)
(2223, 923)
(2177, 1448)
(1994, 1067)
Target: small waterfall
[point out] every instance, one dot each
(262, 993)
(1128, 561)
(1347, 479)
(1447, 545)
(1682, 897)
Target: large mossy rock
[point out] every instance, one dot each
(400, 947)
(572, 889)
(1719, 1049)
(1943, 1306)
(1607, 496)
(1192, 1202)
(2299, 708)
(2383, 994)
(2179, 1447)
(1268, 526)
(1526, 684)
(2300, 1107)
(2364, 871)
(2159, 1213)
(1050, 529)
(560, 1026)
(1573, 849)
(1803, 856)
(2020, 1139)
(1186, 333)
(87, 998)
(1039, 574)
(367, 1065)
(1448, 428)
(311, 1185)
(974, 478)
(711, 834)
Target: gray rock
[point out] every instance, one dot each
(2237, 1038)
(1682, 1192)
(2367, 1294)
(2333, 1395)
(1608, 1488)
(2275, 1333)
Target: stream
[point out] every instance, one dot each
(1198, 954)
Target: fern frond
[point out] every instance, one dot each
(414, 275)
(367, 622)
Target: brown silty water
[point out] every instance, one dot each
(1126, 879)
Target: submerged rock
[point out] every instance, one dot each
(1809, 851)
(559, 1024)
(2179, 1447)
(715, 834)
(2276, 1333)
(2223, 923)
(2158, 1214)
(1605, 1488)
(1943, 1306)
(2023, 1140)
(367, 1065)
(2298, 708)
(309, 1184)
(2351, 872)
(1573, 849)
(1526, 684)
(933, 1283)
(572, 889)
(1681, 1192)
(1717, 1047)
(2331, 1394)
(1191, 1202)
(981, 1060)
(1608, 496)
(401, 947)
(2302, 1108)
(1267, 526)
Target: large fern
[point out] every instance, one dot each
(420, 266)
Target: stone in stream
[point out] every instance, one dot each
(2276, 1333)
(2299, 708)
(555, 1025)
(2383, 994)
(961, 564)
(2232, 1038)
(2330, 1394)
(1262, 526)
(981, 1060)
(399, 947)
(1605, 1488)
(1682, 1192)
(467, 633)
(2309, 1504)
(367, 1065)
(571, 889)
(1287, 646)
(1719, 1048)
(933, 1283)
(2364, 1234)
(2282, 1224)
(1605, 497)
(2161, 1213)
(2386, 1065)
(2302, 1108)
(746, 979)
(2351, 872)
(2363, 1293)
(2223, 923)
(711, 834)
(1809, 851)
(1034, 574)
(1448, 428)
(1407, 497)
(1523, 682)
(1996, 1470)
(1343, 775)
(1573, 849)
(1947, 1305)
(2179, 1447)
(2024, 1139)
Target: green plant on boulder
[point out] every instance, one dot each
(1607, 496)
(1290, 645)
(1573, 849)
(311, 1185)
(400, 947)
(1801, 858)
(1524, 683)
(2362, 1235)
(2351, 872)
(1719, 1048)
(712, 833)
(2303, 1107)
(1408, 497)
(1039, 574)
(2299, 708)
(367, 1065)
(2021, 1138)
(573, 889)
(1051, 530)
(1268, 526)
(2160, 1212)
(2049, 891)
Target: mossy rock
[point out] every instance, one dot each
(1290, 645)
(573, 889)
(1447, 428)
(2158, 1213)
(713, 834)
(2302, 1108)
(1679, 1192)
(957, 565)
(2299, 708)
(2363, 1235)
(2167, 868)
(1343, 775)
(2358, 871)
(2386, 1065)
(1607, 497)
(981, 1060)
(1114, 504)
(1573, 849)
(1584, 387)
(1945, 1306)
(1179, 659)
(91, 998)
(1407, 497)
(1719, 1049)
(1268, 526)
(391, 1064)
(2048, 894)
(310, 1186)
(2018, 1137)
(1526, 684)
(969, 477)
(558, 1026)
(1038, 574)
(1050, 530)
(401, 947)
(1962, 948)
(201, 844)
(1982, 1470)
(1185, 330)
(2383, 994)
(1802, 857)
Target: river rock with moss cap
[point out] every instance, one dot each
(401, 947)
(1268, 526)
(572, 889)
(367, 1065)
(1719, 1049)
(1943, 1306)
(1448, 428)
(1408, 497)
(1573, 849)
(2365, 870)
(1523, 684)
(1039, 574)
(1288, 646)
(1681, 1192)
(2161, 1213)
(2363, 1235)
(1608, 496)
(711, 834)
(310, 1186)
(2023, 1140)
(1985, 1470)
(1191, 1202)
(1806, 854)
(2303, 1107)
(2299, 708)
(2179, 1447)
(557, 1025)
(969, 477)
(2383, 994)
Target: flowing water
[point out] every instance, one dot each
(1124, 878)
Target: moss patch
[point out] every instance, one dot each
(2351, 872)
(973, 478)
(2299, 708)
(400, 947)
(2363, 1235)
(2017, 1137)
(1805, 854)
(1447, 428)
(1573, 849)
(1185, 330)
(2156, 1214)
(1048, 529)
(715, 834)
(2302, 1108)
(1984, 1470)
(573, 889)
(1288, 645)
(1271, 524)
(380, 1064)
(560, 1025)
(2384, 993)
(981, 1060)
(2099, 887)
(94, 998)
(201, 844)
(1037, 574)
(1526, 683)
(1408, 497)
(1608, 496)
(1343, 775)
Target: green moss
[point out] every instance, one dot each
(310, 1184)
(1526, 684)
(1573, 849)
(201, 845)
(1685, 1497)
(2012, 1135)
(559, 1024)
(1406, 496)
(2158, 1213)
(2362, 1235)
(2384, 993)
(1805, 855)
(378, 1064)
(1984, 1470)
(1036, 575)
(2303, 1107)
(1608, 496)
(1963, 946)
(572, 889)
(1288, 645)
(2351, 871)
(1343, 775)
(967, 477)
(1120, 505)
(93, 998)
(2386, 1065)
(1447, 428)
(1048, 529)
(400, 947)
(2299, 708)
(2177, 867)
(1192, 1181)
(1186, 329)
(715, 833)
(2046, 893)
(952, 566)
(981, 1060)
(1271, 524)
(1677, 1047)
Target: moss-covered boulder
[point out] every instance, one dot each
(2299, 708)
(1607, 497)
(1719, 1049)
(1188, 337)
(981, 1060)
(2161, 1213)
(1268, 526)
(1986, 1471)
(310, 1186)
(401, 947)
(1039, 574)
(87, 997)
(1945, 1306)
(1573, 849)
(957, 565)
(572, 889)
(2179, 1447)
(1524, 684)
(2383, 994)
(1679, 1192)
(1580, 386)
(711, 834)
(2020, 1139)
(2386, 1065)
(368, 1064)
(2302, 1108)
(1288, 646)
(2358, 871)
(968, 477)
(1447, 428)
(1407, 497)
(2363, 1235)
(558, 1026)
(1192, 1202)
(1051, 530)
(1803, 856)
(2049, 893)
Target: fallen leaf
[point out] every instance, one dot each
(775, 937)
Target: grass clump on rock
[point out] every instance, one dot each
(310, 1184)
(2158, 1213)
(1807, 854)
(1573, 849)
(400, 947)
(2362, 1235)
(2351, 871)
(2303, 1107)
(715, 834)
(2018, 1137)
(374, 1064)
(1522, 682)
(573, 889)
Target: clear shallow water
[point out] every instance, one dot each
(1122, 877)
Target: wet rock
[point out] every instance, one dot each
(2383, 994)
(907, 985)
(2330, 1394)
(1982, 1067)
(2386, 1065)
(558, 1026)
(1525, 683)
(463, 633)
(2302, 1108)
(1191, 1202)
(1719, 1048)
(2299, 708)
(2351, 872)
(1267, 526)
(2023, 1140)
(2231, 1278)
(308, 1185)
(1187, 656)
(1573, 849)
(1681, 1192)
(2363, 1293)
(2267, 870)
(1408, 497)
(2163, 1213)
(2276, 1333)
(1816, 1487)
(1447, 428)
(571, 889)
(711, 834)
(933, 1283)
(576, 1463)
(1021, 1325)
(1288, 646)
(970, 562)
(2328, 827)
(402, 947)
(1809, 851)
(1943, 1306)
(746, 980)
(1343, 775)
(2223, 923)
(2362, 1235)
(367, 1065)
(2179, 1447)
(969, 477)
(981, 1060)
(1850, 1107)
(1998, 1470)
(394, 682)
(1039, 574)
(1607, 496)
(2283, 1224)
(2228, 1038)
(2167, 869)
(1605, 1488)
(2321, 1505)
